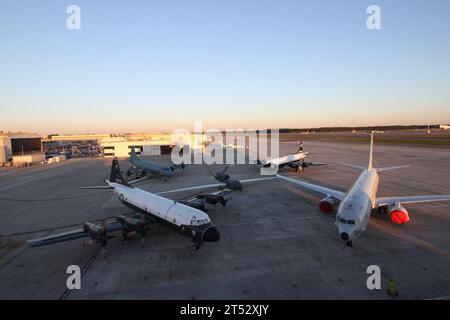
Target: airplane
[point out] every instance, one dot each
(140, 167)
(294, 161)
(186, 217)
(150, 208)
(355, 206)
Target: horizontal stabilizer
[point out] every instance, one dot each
(391, 168)
(354, 166)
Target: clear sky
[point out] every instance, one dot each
(159, 65)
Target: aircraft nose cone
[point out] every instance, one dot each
(211, 234)
(344, 236)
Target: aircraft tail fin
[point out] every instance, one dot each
(133, 153)
(300, 148)
(370, 167)
(116, 174)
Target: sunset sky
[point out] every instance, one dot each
(148, 66)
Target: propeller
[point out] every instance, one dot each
(178, 166)
(142, 231)
(103, 238)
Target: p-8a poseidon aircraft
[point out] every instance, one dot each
(355, 206)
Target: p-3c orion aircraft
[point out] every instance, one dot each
(140, 167)
(355, 206)
(294, 161)
(149, 208)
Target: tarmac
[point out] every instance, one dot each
(275, 242)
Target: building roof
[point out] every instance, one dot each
(20, 135)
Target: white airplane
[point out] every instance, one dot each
(182, 216)
(294, 161)
(151, 207)
(355, 206)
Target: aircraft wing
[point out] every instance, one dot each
(205, 186)
(61, 237)
(132, 182)
(313, 164)
(330, 192)
(72, 235)
(110, 227)
(257, 179)
(213, 185)
(412, 199)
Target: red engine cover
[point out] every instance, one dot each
(326, 206)
(399, 216)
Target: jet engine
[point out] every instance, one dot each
(327, 204)
(398, 214)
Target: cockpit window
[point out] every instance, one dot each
(346, 221)
(199, 222)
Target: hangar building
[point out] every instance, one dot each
(20, 148)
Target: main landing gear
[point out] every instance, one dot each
(349, 243)
(383, 209)
(196, 245)
(141, 231)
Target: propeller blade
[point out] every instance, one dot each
(211, 173)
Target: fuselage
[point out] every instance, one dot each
(152, 167)
(189, 221)
(354, 210)
(286, 159)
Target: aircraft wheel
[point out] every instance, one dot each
(195, 246)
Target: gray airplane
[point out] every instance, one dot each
(141, 167)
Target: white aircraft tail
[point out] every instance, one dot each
(370, 167)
